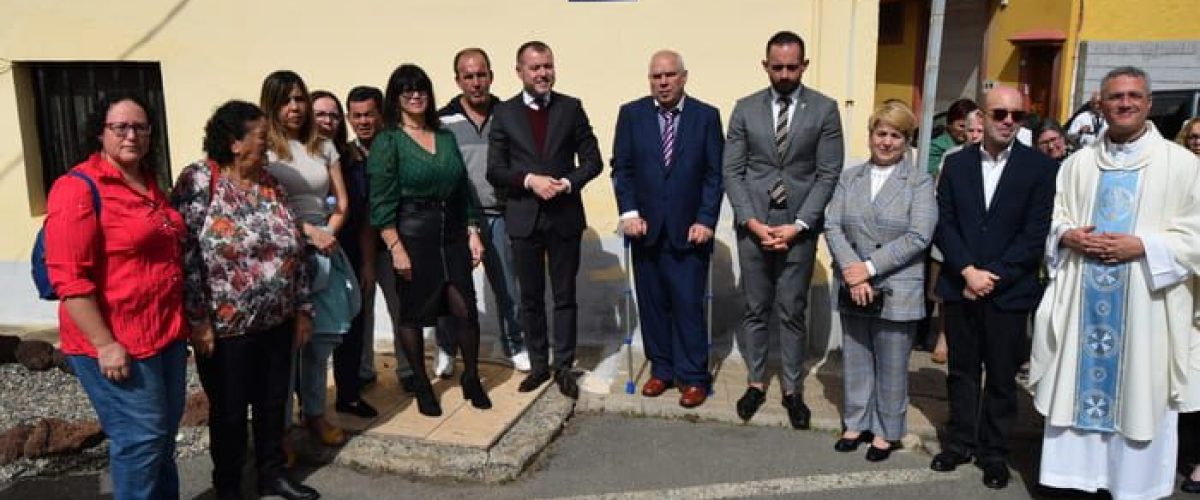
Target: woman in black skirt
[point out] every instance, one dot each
(421, 204)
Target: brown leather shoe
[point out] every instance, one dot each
(655, 387)
(693, 396)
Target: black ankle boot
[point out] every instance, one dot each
(473, 391)
(427, 402)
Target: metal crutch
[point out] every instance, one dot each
(630, 385)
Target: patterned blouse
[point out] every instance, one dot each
(244, 259)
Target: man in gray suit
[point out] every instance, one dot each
(783, 155)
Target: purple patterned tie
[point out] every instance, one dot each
(668, 134)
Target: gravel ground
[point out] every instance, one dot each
(26, 397)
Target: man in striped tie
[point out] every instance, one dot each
(783, 156)
(667, 177)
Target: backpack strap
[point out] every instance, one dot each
(214, 170)
(91, 186)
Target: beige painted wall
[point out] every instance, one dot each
(215, 50)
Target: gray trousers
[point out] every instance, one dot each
(770, 284)
(875, 371)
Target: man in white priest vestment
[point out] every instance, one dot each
(1116, 351)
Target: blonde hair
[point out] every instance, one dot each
(1181, 137)
(895, 114)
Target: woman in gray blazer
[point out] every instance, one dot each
(878, 225)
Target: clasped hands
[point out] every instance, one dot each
(545, 187)
(635, 227)
(857, 278)
(980, 282)
(773, 238)
(1110, 248)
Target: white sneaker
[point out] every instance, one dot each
(520, 361)
(444, 367)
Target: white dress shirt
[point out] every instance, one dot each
(993, 168)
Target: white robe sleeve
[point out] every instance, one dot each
(1055, 254)
(1161, 266)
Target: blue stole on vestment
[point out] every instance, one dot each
(1105, 288)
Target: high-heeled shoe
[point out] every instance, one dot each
(427, 402)
(473, 391)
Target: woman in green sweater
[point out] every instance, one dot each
(422, 206)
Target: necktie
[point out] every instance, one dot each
(668, 134)
(539, 102)
(781, 125)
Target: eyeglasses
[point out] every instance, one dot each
(122, 129)
(327, 115)
(1000, 114)
(413, 95)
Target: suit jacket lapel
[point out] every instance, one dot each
(768, 113)
(860, 189)
(649, 124)
(684, 123)
(974, 176)
(555, 124)
(892, 186)
(524, 130)
(798, 114)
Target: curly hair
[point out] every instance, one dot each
(228, 124)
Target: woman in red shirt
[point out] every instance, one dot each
(118, 269)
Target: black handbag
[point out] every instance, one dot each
(846, 303)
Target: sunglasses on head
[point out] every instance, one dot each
(1000, 114)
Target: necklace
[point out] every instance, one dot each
(414, 127)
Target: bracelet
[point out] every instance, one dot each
(472, 229)
(393, 245)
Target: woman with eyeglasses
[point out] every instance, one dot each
(1051, 140)
(357, 239)
(422, 206)
(115, 258)
(309, 168)
(247, 296)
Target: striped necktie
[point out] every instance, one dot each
(668, 134)
(781, 125)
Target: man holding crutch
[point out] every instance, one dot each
(667, 178)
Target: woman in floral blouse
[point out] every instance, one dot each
(245, 294)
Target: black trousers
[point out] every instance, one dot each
(547, 249)
(347, 357)
(247, 370)
(982, 337)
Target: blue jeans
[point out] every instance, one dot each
(141, 416)
(312, 375)
(502, 279)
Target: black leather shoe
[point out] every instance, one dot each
(798, 412)
(846, 445)
(534, 380)
(427, 402)
(947, 461)
(1189, 486)
(749, 402)
(286, 488)
(879, 454)
(358, 408)
(566, 384)
(995, 474)
(473, 391)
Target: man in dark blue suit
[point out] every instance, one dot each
(994, 204)
(667, 178)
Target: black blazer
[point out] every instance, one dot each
(512, 156)
(1007, 238)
